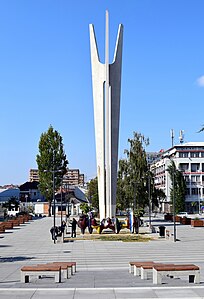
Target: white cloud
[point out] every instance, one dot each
(200, 81)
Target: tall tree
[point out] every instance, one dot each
(133, 173)
(92, 193)
(178, 189)
(123, 186)
(51, 162)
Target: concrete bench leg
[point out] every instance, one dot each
(157, 278)
(197, 277)
(24, 278)
(70, 271)
(58, 276)
(136, 271)
(66, 273)
(144, 273)
(74, 268)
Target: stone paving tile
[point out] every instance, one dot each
(101, 266)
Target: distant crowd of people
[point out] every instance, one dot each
(89, 221)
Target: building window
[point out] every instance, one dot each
(183, 155)
(194, 154)
(194, 191)
(183, 166)
(187, 180)
(195, 167)
(195, 178)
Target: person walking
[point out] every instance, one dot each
(73, 223)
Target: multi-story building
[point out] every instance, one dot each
(34, 176)
(188, 158)
(72, 177)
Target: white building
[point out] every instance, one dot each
(188, 158)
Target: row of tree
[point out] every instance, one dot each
(135, 184)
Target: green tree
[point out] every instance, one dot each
(85, 207)
(132, 174)
(178, 189)
(123, 186)
(157, 196)
(92, 193)
(52, 159)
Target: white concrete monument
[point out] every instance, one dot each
(106, 81)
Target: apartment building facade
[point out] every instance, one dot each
(188, 158)
(73, 177)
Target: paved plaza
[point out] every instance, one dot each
(102, 266)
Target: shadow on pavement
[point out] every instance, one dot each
(14, 259)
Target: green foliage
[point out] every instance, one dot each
(178, 189)
(92, 193)
(139, 212)
(85, 208)
(132, 175)
(52, 159)
(157, 196)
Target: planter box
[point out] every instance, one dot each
(2, 227)
(168, 217)
(197, 223)
(21, 220)
(178, 219)
(15, 222)
(185, 221)
(8, 225)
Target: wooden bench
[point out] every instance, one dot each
(67, 268)
(148, 268)
(71, 265)
(134, 267)
(40, 270)
(190, 270)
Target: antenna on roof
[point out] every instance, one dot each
(172, 137)
(181, 136)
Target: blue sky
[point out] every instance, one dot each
(45, 76)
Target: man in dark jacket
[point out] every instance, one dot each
(73, 223)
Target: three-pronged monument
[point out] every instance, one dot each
(106, 82)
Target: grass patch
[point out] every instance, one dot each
(113, 237)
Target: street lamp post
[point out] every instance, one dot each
(174, 209)
(53, 195)
(149, 199)
(61, 201)
(200, 197)
(173, 186)
(53, 198)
